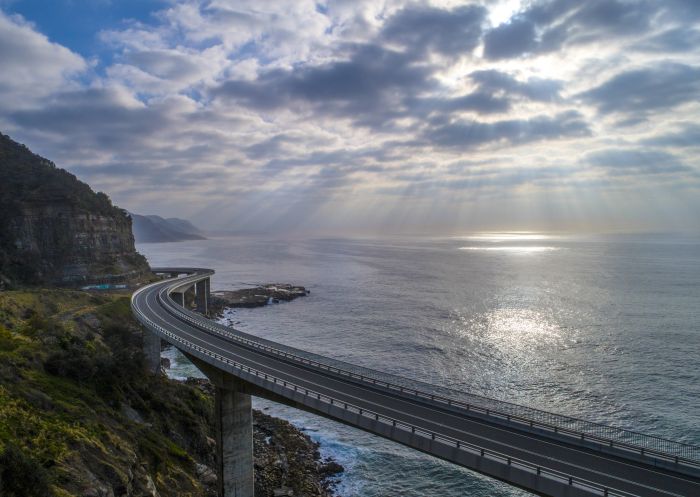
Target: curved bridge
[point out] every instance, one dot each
(544, 453)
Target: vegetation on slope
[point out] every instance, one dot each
(78, 415)
(28, 177)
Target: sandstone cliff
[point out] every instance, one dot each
(55, 230)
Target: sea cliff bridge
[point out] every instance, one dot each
(544, 453)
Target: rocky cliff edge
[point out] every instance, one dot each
(54, 230)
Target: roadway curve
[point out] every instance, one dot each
(529, 458)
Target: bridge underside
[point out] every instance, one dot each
(200, 293)
(238, 373)
(234, 467)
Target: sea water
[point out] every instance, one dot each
(602, 328)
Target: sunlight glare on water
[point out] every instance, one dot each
(502, 242)
(518, 249)
(509, 329)
(605, 328)
(509, 236)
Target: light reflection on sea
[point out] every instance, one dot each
(518, 249)
(601, 328)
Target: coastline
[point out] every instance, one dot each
(288, 462)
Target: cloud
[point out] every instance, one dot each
(286, 111)
(549, 25)
(687, 136)
(109, 118)
(421, 30)
(676, 40)
(471, 134)
(634, 162)
(511, 39)
(663, 86)
(368, 88)
(165, 64)
(32, 66)
(441, 107)
(493, 81)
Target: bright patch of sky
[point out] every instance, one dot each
(501, 12)
(362, 116)
(76, 24)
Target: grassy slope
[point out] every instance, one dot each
(70, 373)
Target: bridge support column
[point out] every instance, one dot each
(234, 443)
(179, 297)
(151, 351)
(234, 432)
(202, 289)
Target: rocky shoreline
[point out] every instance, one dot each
(287, 462)
(258, 296)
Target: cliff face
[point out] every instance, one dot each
(55, 230)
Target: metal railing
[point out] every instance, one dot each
(560, 425)
(574, 428)
(414, 430)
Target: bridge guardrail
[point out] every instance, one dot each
(540, 471)
(619, 438)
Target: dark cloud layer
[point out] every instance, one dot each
(96, 117)
(370, 84)
(676, 40)
(511, 39)
(551, 24)
(352, 101)
(687, 136)
(664, 86)
(492, 81)
(627, 162)
(470, 134)
(421, 30)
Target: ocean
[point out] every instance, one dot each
(605, 328)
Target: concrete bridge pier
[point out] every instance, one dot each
(179, 298)
(151, 351)
(234, 443)
(202, 296)
(234, 432)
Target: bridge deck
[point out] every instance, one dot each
(609, 471)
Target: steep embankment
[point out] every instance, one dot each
(79, 416)
(55, 230)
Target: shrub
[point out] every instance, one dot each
(21, 475)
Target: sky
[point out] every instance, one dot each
(367, 117)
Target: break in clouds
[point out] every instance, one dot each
(365, 116)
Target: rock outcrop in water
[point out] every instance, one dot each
(55, 230)
(255, 297)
